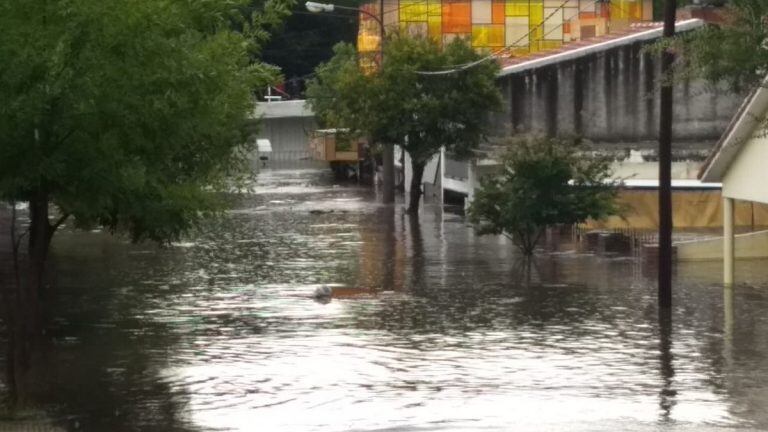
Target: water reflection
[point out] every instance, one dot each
(429, 328)
(668, 393)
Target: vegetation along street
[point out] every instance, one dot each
(386, 215)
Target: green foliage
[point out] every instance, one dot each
(398, 105)
(127, 113)
(339, 93)
(544, 182)
(735, 53)
(432, 110)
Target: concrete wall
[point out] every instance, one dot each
(611, 98)
(287, 125)
(744, 177)
(290, 143)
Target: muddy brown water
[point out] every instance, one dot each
(431, 328)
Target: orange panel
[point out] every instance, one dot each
(587, 15)
(457, 16)
(498, 11)
(605, 11)
(566, 27)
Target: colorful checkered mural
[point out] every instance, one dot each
(517, 26)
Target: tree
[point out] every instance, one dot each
(399, 105)
(307, 39)
(543, 182)
(734, 53)
(125, 114)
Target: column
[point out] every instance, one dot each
(728, 241)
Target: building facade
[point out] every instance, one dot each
(511, 27)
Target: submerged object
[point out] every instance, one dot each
(322, 292)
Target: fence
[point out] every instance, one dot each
(288, 159)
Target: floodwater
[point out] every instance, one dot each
(430, 328)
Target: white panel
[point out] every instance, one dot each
(587, 6)
(263, 145)
(553, 26)
(481, 12)
(517, 31)
(570, 13)
(745, 178)
(391, 12)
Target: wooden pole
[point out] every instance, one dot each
(665, 161)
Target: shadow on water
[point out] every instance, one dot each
(667, 393)
(96, 366)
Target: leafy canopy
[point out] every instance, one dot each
(543, 182)
(397, 105)
(125, 113)
(736, 52)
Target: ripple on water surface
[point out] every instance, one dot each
(429, 328)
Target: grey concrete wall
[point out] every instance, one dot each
(612, 98)
(289, 137)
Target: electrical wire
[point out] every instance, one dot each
(465, 66)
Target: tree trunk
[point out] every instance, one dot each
(418, 174)
(40, 234)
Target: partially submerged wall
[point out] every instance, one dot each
(749, 245)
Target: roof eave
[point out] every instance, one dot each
(741, 128)
(654, 33)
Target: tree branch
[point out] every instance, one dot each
(60, 221)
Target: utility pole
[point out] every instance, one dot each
(665, 160)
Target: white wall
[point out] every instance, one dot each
(746, 177)
(431, 171)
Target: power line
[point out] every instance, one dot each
(458, 68)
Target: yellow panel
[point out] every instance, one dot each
(367, 43)
(368, 36)
(434, 7)
(435, 24)
(517, 8)
(491, 35)
(413, 10)
(550, 44)
(536, 23)
(536, 12)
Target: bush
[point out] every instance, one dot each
(543, 182)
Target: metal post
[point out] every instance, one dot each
(665, 162)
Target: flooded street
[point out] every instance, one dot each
(430, 328)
